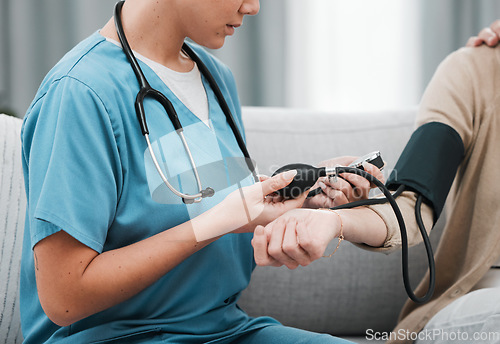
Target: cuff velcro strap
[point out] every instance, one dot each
(429, 163)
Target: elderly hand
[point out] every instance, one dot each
(296, 238)
(489, 35)
(349, 188)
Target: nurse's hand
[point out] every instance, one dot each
(349, 188)
(254, 205)
(297, 238)
(489, 35)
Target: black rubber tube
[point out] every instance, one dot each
(402, 227)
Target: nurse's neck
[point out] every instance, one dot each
(152, 33)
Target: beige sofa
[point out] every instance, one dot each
(354, 292)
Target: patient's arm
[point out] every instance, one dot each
(406, 202)
(301, 236)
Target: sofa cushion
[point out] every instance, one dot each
(12, 212)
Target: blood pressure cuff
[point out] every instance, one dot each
(429, 163)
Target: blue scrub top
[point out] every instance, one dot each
(88, 172)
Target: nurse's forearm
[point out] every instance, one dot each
(75, 282)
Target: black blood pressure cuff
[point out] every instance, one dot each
(429, 163)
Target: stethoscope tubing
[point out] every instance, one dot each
(165, 180)
(224, 107)
(147, 90)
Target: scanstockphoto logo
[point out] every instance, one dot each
(216, 170)
(222, 173)
(435, 336)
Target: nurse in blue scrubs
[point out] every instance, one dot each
(112, 255)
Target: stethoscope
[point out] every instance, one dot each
(146, 90)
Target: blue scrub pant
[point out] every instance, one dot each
(277, 334)
(271, 334)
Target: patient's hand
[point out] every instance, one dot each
(298, 237)
(489, 35)
(349, 188)
(301, 236)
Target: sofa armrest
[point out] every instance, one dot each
(12, 212)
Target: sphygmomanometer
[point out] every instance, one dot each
(427, 167)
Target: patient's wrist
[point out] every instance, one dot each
(363, 226)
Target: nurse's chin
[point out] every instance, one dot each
(216, 43)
